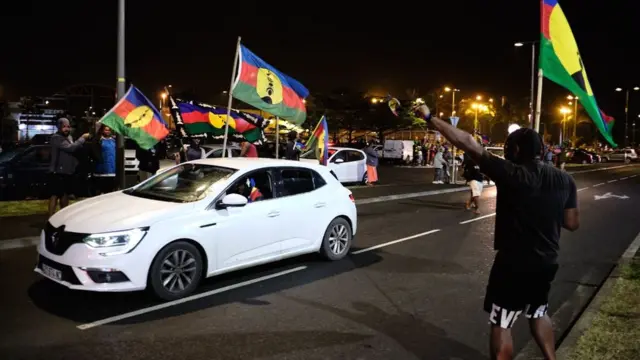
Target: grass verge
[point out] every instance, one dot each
(25, 207)
(615, 331)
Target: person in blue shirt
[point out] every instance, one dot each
(104, 154)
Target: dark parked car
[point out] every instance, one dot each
(579, 156)
(24, 172)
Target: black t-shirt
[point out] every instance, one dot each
(530, 208)
(292, 152)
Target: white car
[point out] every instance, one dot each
(349, 165)
(194, 221)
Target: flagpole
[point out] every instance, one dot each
(277, 136)
(539, 99)
(120, 91)
(233, 78)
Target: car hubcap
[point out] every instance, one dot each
(338, 239)
(178, 270)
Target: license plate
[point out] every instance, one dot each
(51, 272)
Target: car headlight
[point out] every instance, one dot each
(117, 242)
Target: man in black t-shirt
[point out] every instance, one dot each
(533, 202)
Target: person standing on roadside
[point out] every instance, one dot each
(248, 149)
(148, 162)
(293, 151)
(474, 179)
(63, 164)
(438, 164)
(372, 164)
(533, 203)
(104, 154)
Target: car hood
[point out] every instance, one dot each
(114, 212)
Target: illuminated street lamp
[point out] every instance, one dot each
(564, 111)
(479, 97)
(533, 73)
(575, 112)
(453, 92)
(478, 107)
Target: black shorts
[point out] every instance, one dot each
(60, 184)
(515, 288)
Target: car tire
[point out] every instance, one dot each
(365, 178)
(183, 256)
(337, 240)
(627, 160)
(584, 162)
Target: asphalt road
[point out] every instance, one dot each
(418, 295)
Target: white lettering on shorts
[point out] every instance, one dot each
(507, 317)
(540, 312)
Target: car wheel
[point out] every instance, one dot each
(176, 271)
(365, 178)
(584, 162)
(337, 240)
(627, 160)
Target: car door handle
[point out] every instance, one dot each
(273, 214)
(320, 204)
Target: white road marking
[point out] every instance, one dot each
(611, 181)
(600, 169)
(396, 241)
(582, 189)
(186, 299)
(596, 185)
(476, 219)
(632, 176)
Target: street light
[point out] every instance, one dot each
(575, 112)
(477, 107)
(626, 114)
(453, 92)
(564, 111)
(533, 74)
(478, 97)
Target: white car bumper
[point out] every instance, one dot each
(81, 267)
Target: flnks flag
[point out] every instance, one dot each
(319, 141)
(561, 63)
(264, 87)
(199, 118)
(134, 116)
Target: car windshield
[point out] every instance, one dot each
(185, 183)
(497, 152)
(7, 155)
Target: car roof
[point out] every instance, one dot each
(342, 148)
(248, 164)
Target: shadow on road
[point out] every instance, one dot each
(422, 339)
(85, 307)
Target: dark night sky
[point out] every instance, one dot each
(387, 46)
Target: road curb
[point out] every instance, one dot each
(385, 198)
(569, 338)
(570, 341)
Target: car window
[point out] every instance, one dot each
(37, 156)
(215, 154)
(340, 155)
(255, 186)
(235, 153)
(185, 183)
(354, 156)
(296, 181)
(318, 180)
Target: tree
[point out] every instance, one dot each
(345, 110)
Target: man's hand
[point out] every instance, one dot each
(422, 111)
(86, 136)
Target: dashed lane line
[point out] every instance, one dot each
(395, 241)
(600, 184)
(476, 219)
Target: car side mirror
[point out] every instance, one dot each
(339, 161)
(232, 200)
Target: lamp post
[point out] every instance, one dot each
(533, 74)
(626, 112)
(121, 89)
(564, 111)
(575, 112)
(453, 92)
(477, 107)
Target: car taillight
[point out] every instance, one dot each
(352, 198)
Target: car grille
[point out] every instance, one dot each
(67, 272)
(57, 240)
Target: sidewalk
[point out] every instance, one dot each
(609, 328)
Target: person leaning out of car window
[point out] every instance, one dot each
(63, 164)
(103, 150)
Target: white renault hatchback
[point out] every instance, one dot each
(196, 220)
